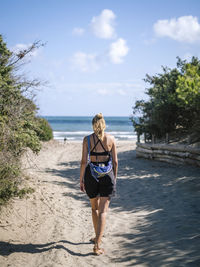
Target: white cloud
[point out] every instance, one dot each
(78, 31)
(121, 92)
(85, 62)
(183, 29)
(118, 50)
(103, 25)
(20, 47)
(103, 88)
(103, 91)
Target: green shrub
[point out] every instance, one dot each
(18, 122)
(10, 188)
(44, 130)
(9, 170)
(24, 191)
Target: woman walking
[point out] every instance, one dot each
(101, 148)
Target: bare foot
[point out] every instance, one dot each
(98, 251)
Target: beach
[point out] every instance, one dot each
(152, 221)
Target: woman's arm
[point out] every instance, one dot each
(114, 158)
(83, 163)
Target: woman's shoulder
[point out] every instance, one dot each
(85, 139)
(109, 137)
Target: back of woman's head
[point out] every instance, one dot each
(99, 125)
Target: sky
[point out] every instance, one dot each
(97, 52)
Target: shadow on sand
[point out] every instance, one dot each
(169, 235)
(70, 173)
(169, 195)
(7, 248)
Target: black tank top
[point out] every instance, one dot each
(94, 153)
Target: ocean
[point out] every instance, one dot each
(75, 128)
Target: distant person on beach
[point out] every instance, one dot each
(102, 151)
(65, 139)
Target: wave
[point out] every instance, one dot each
(79, 135)
(57, 133)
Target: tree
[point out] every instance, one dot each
(174, 102)
(188, 85)
(188, 91)
(160, 112)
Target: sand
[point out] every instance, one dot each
(154, 220)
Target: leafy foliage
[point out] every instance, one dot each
(19, 127)
(174, 101)
(44, 130)
(188, 90)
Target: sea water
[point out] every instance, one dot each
(75, 128)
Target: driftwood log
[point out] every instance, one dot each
(176, 154)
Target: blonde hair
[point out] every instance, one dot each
(99, 125)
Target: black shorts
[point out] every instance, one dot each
(106, 186)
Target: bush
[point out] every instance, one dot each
(44, 130)
(9, 170)
(8, 189)
(18, 121)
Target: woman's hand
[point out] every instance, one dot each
(82, 186)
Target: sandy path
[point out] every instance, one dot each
(153, 220)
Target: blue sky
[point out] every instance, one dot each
(97, 53)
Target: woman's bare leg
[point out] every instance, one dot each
(102, 211)
(95, 206)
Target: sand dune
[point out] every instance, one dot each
(153, 220)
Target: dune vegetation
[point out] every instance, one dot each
(20, 127)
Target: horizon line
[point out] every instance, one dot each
(83, 115)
